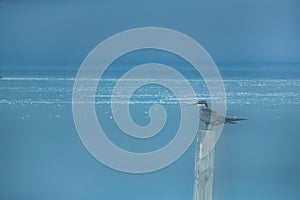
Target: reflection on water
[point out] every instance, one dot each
(59, 91)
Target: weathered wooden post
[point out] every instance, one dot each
(204, 167)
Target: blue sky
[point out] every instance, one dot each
(63, 32)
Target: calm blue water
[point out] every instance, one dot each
(42, 156)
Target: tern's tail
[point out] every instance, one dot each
(233, 120)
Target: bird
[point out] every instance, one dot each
(212, 118)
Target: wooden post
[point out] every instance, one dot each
(204, 169)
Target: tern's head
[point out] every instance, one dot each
(200, 103)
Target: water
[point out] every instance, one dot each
(42, 155)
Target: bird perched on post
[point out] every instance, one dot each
(212, 118)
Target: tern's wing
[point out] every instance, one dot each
(216, 118)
